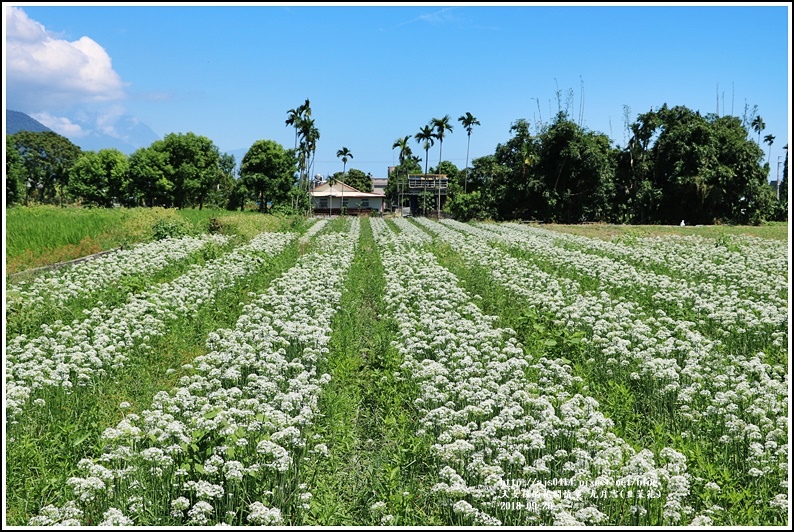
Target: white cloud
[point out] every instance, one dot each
(436, 17)
(61, 125)
(107, 120)
(44, 72)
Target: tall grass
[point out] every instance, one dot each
(44, 235)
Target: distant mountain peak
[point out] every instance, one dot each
(131, 133)
(17, 121)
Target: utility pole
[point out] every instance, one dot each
(438, 209)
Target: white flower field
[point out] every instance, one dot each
(403, 372)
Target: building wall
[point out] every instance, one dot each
(376, 204)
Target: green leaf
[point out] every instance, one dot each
(80, 439)
(393, 472)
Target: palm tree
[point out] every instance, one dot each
(345, 154)
(440, 125)
(293, 119)
(305, 109)
(308, 134)
(311, 141)
(758, 126)
(308, 145)
(405, 149)
(769, 139)
(468, 121)
(425, 134)
(331, 182)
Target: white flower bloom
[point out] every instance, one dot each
(259, 514)
(114, 517)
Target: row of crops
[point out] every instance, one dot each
(402, 372)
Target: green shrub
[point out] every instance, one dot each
(214, 225)
(171, 228)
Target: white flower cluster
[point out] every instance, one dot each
(259, 514)
(59, 286)
(68, 355)
(715, 389)
(757, 269)
(718, 301)
(68, 515)
(316, 227)
(247, 404)
(492, 426)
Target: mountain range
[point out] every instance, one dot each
(132, 133)
(16, 122)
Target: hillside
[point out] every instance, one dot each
(17, 121)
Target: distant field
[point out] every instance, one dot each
(774, 230)
(43, 235)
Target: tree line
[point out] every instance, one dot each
(677, 165)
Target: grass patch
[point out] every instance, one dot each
(368, 417)
(44, 235)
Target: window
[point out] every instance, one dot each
(324, 203)
(344, 202)
(364, 204)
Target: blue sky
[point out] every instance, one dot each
(378, 72)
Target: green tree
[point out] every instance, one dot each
(468, 121)
(46, 157)
(783, 190)
(464, 206)
(309, 136)
(517, 192)
(638, 194)
(101, 178)
(440, 127)
(218, 196)
(14, 175)
(344, 154)
(354, 178)
(238, 196)
(708, 170)
(576, 169)
(193, 163)
(427, 139)
(487, 177)
(398, 179)
(448, 169)
(737, 175)
(267, 172)
(769, 139)
(758, 126)
(149, 176)
(294, 117)
(405, 149)
(426, 201)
